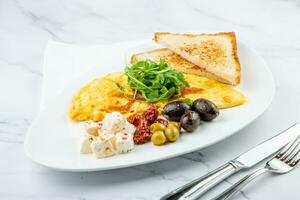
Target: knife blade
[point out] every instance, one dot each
(198, 187)
(269, 147)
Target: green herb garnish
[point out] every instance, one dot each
(120, 87)
(155, 81)
(188, 101)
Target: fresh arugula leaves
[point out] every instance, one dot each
(155, 81)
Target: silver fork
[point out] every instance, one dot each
(282, 163)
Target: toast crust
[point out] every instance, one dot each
(230, 35)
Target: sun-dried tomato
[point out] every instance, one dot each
(142, 133)
(134, 119)
(150, 115)
(142, 123)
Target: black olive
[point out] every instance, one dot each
(206, 109)
(175, 110)
(190, 121)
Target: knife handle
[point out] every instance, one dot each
(199, 186)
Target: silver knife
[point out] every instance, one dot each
(199, 186)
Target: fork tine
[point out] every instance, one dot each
(291, 159)
(293, 163)
(289, 149)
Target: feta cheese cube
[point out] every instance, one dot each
(108, 136)
(92, 127)
(124, 142)
(130, 128)
(113, 123)
(102, 148)
(113, 135)
(85, 147)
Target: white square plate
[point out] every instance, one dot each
(53, 140)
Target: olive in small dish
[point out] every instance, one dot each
(206, 109)
(190, 121)
(175, 110)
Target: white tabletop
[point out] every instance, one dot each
(272, 27)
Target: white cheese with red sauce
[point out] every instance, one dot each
(113, 135)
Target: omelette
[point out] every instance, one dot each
(111, 93)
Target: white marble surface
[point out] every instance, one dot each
(272, 27)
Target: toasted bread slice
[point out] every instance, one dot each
(216, 53)
(175, 61)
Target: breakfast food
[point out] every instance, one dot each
(161, 133)
(175, 110)
(172, 133)
(189, 116)
(190, 121)
(85, 147)
(158, 138)
(143, 123)
(114, 135)
(102, 96)
(216, 53)
(206, 109)
(176, 62)
(157, 126)
(163, 92)
(92, 127)
(155, 81)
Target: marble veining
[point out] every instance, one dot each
(25, 27)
